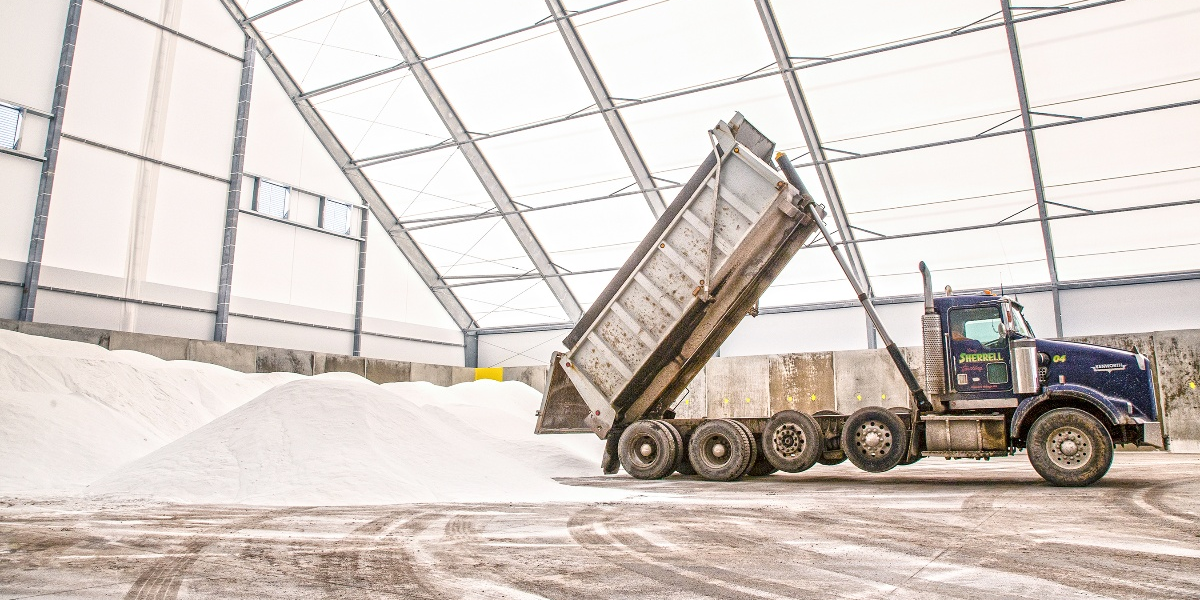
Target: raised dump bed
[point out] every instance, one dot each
(682, 292)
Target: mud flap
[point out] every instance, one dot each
(611, 462)
(563, 409)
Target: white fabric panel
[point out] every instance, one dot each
(1135, 308)
(31, 35)
(813, 331)
(90, 215)
(482, 246)
(436, 27)
(324, 272)
(1151, 241)
(18, 197)
(189, 225)
(281, 147)
(201, 109)
(394, 291)
(432, 184)
(304, 208)
(110, 79)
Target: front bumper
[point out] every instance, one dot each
(1152, 435)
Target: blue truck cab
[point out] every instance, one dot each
(1066, 403)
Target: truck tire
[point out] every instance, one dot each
(647, 450)
(792, 441)
(720, 450)
(681, 450)
(1069, 447)
(874, 439)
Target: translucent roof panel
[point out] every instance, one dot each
(957, 87)
(812, 276)
(1111, 49)
(508, 83)
(1147, 158)
(588, 286)
(435, 184)
(483, 246)
(437, 27)
(594, 235)
(983, 258)
(565, 162)
(511, 303)
(386, 114)
(642, 47)
(328, 41)
(969, 183)
(1131, 243)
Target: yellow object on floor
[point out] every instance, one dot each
(496, 373)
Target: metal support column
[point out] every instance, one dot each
(234, 200)
(616, 125)
(809, 129)
(483, 170)
(41, 212)
(1039, 189)
(471, 349)
(361, 286)
(396, 231)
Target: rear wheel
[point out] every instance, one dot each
(874, 439)
(647, 450)
(792, 441)
(681, 449)
(1070, 448)
(720, 450)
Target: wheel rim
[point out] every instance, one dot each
(873, 438)
(788, 440)
(716, 450)
(1069, 447)
(645, 450)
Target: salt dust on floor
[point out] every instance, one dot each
(81, 419)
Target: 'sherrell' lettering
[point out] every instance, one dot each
(981, 357)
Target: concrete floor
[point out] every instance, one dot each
(936, 529)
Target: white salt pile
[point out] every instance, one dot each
(72, 412)
(136, 426)
(343, 440)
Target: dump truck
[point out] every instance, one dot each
(991, 387)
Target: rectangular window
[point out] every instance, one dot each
(335, 216)
(10, 126)
(271, 199)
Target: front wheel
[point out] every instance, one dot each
(1069, 447)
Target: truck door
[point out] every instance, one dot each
(979, 355)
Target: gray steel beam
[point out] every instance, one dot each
(470, 349)
(808, 128)
(612, 117)
(271, 11)
(360, 286)
(400, 236)
(233, 200)
(41, 211)
(483, 170)
(1039, 190)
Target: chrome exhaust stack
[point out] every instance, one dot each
(931, 338)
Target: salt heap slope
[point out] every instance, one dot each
(72, 412)
(331, 440)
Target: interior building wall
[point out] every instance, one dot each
(136, 246)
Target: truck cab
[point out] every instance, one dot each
(984, 363)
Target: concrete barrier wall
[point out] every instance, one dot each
(264, 359)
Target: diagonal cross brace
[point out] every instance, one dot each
(400, 236)
(483, 170)
(616, 125)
